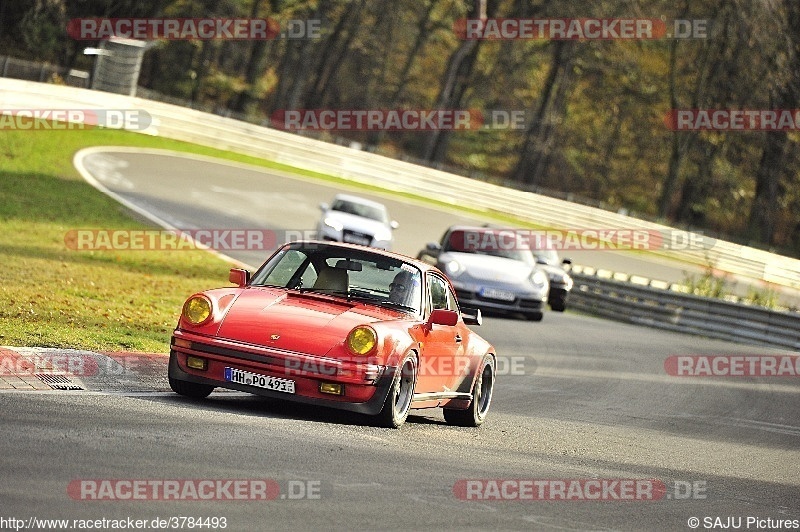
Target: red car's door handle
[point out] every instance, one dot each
(458, 338)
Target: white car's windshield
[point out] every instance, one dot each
(492, 243)
(360, 209)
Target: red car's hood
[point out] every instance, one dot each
(307, 323)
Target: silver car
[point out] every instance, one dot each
(491, 269)
(357, 221)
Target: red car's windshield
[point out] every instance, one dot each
(345, 272)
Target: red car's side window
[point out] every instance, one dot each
(440, 295)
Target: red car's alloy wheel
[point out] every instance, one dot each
(398, 401)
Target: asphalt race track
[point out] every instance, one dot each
(202, 193)
(579, 401)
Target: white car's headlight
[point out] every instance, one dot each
(384, 235)
(539, 278)
(333, 223)
(453, 268)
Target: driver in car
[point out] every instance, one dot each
(402, 289)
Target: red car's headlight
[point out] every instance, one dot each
(197, 310)
(361, 340)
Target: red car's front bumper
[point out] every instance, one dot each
(365, 386)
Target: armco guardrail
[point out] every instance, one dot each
(676, 311)
(363, 167)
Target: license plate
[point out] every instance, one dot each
(259, 381)
(501, 295)
(354, 239)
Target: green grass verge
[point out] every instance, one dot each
(52, 296)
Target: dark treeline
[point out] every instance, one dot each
(595, 109)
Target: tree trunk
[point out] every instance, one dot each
(334, 53)
(695, 190)
(423, 32)
(254, 66)
(766, 207)
(764, 211)
(538, 137)
(294, 69)
(459, 68)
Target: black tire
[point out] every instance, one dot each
(190, 389)
(398, 400)
(535, 316)
(559, 305)
(475, 415)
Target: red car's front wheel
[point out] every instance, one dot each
(398, 401)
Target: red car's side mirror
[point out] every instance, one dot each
(239, 277)
(443, 317)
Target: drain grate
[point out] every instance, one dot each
(58, 382)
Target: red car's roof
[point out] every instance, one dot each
(423, 266)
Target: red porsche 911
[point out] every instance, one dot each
(340, 326)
